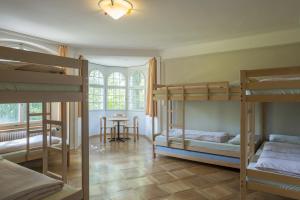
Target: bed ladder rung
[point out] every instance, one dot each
(54, 122)
(54, 175)
(37, 114)
(35, 148)
(54, 148)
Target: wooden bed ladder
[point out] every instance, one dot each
(32, 130)
(170, 116)
(49, 122)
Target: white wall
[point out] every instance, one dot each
(282, 118)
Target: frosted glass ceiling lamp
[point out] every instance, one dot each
(116, 8)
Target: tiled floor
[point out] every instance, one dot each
(126, 171)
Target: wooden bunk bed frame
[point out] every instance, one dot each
(208, 91)
(46, 97)
(248, 102)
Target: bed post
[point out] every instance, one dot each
(183, 118)
(263, 121)
(243, 138)
(167, 102)
(27, 130)
(45, 145)
(85, 130)
(153, 129)
(64, 140)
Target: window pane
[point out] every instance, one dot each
(136, 99)
(137, 80)
(96, 78)
(36, 108)
(116, 98)
(96, 96)
(116, 79)
(9, 113)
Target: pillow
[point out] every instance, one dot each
(235, 140)
(284, 138)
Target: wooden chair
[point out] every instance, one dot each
(104, 127)
(134, 127)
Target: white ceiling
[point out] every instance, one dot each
(154, 24)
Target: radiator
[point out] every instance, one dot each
(14, 135)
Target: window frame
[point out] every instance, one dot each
(98, 86)
(116, 87)
(136, 88)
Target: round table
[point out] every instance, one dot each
(118, 120)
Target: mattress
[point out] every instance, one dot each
(271, 183)
(281, 158)
(279, 185)
(211, 136)
(20, 144)
(279, 91)
(161, 140)
(20, 183)
(67, 193)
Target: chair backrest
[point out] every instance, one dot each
(135, 121)
(102, 122)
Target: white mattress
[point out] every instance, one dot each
(252, 166)
(20, 183)
(209, 136)
(20, 144)
(282, 158)
(161, 140)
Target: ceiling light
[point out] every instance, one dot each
(116, 8)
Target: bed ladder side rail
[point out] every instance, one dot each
(183, 117)
(64, 151)
(167, 116)
(31, 130)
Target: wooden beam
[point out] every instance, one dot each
(85, 131)
(7, 53)
(16, 76)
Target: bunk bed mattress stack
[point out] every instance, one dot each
(21, 183)
(206, 145)
(280, 158)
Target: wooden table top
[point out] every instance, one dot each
(117, 119)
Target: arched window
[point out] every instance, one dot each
(136, 93)
(96, 90)
(116, 91)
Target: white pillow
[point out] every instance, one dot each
(284, 138)
(236, 140)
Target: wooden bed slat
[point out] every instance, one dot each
(264, 175)
(273, 71)
(16, 76)
(23, 97)
(7, 53)
(273, 190)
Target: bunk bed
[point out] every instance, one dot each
(274, 167)
(28, 77)
(203, 146)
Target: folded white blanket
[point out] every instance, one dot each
(219, 137)
(281, 158)
(20, 144)
(20, 183)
